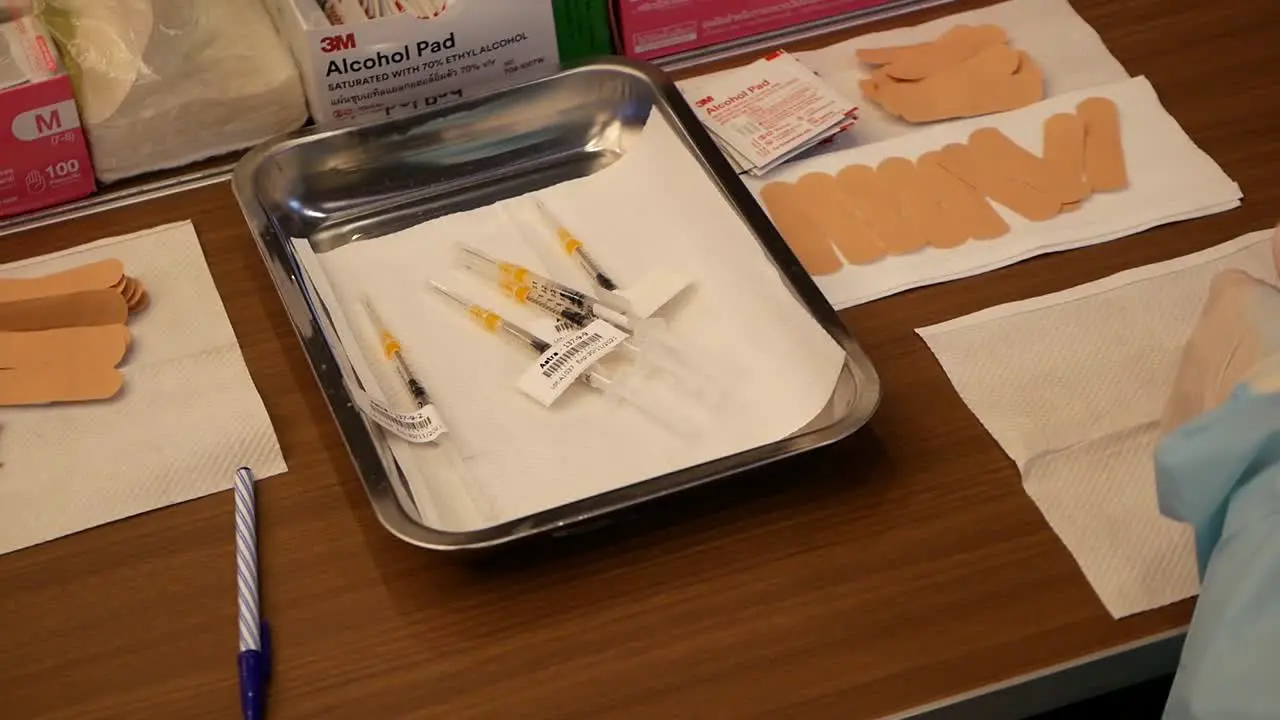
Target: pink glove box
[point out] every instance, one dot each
(654, 28)
(44, 160)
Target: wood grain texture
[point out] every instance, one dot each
(896, 568)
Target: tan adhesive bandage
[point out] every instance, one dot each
(976, 35)
(82, 309)
(978, 171)
(1064, 150)
(94, 276)
(54, 384)
(104, 345)
(926, 62)
(871, 91)
(786, 207)
(871, 199)
(969, 70)
(963, 206)
(1024, 87)
(887, 92)
(1103, 152)
(1016, 161)
(840, 223)
(951, 48)
(960, 36)
(143, 301)
(958, 91)
(886, 55)
(918, 211)
(135, 294)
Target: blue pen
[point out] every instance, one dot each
(255, 637)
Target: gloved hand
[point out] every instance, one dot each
(1221, 473)
(1233, 352)
(1239, 329)
(1218, 469)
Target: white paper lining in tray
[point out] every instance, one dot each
(654, 209)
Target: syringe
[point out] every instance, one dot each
(574, 248)
(528, 295)
(494, 323)
(525, 286)
(394, 354)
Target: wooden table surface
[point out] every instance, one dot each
(902, 566)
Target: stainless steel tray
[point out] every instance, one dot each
(358, 184)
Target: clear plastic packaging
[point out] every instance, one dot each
(163, 83)
(11, 10)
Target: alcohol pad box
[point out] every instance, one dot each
(44, 160)
(649, 29)
(372, 69)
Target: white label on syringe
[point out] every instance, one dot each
(423, 426)
(568, 359)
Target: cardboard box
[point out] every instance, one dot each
(582, 29)
(44, 159)
(655, 28)
(375, 69)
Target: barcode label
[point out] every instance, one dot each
(423, 426)
(568, 359)
(570, 354)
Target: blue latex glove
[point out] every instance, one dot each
(1221, 473)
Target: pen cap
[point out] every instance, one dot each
(254, 670)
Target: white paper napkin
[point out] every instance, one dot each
(1068, 50)
(1072, 386)
(187, 417)
(654, 208)
(1170, 179)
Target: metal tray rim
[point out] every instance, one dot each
(287, 276)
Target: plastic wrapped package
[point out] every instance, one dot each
(11, 10)
(11, 70)
(162, 83)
